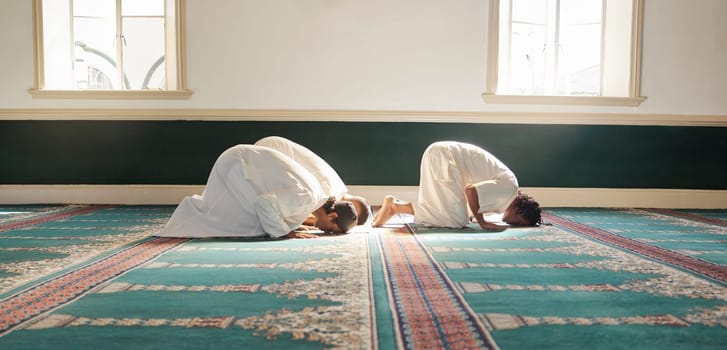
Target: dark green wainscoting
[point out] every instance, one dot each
(364, 153)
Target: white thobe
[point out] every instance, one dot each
(446, 168)
(251, 191)
(331, 183)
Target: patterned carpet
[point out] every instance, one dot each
(563, 287)
(82, 277)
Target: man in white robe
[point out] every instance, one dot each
(253, 191)
(458, 179)
(331, 183)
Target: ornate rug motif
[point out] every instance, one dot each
(427, 301)
(52, 214)
(430, 313)
(71, 234)
(347, 322)
(671, 283)
(67, 287)
(505, 321)
(715, 271)
(690, 216)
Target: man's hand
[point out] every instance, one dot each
(298, 234)
(306, 227)
(492, 227)
(473, 203)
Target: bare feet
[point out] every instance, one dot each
(391, 207)
(385, 213)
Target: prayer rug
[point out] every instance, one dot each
(38, 241)
(580, 284)
(163, 293)
(685, 239)
(428, 311)
(90, 277)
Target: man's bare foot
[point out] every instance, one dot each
(391, 207)
(385, 213)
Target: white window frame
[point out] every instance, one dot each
(178, 74)
(633, 100)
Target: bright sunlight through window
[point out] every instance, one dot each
(113, 45)
(573, 48)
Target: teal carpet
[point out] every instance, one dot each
(126, 289)
(76, 277)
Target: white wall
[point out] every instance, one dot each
(411, 55)
(685, 56)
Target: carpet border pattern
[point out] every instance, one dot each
(50, 216)
(689, 216)
(429, 311)
(702, 267)
(69, 286)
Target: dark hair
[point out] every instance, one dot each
(346, 215)
(528, 208)
(328, 205)
(363, 208)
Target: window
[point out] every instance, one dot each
(109, 49)
(564, 52)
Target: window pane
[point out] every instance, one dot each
(527, 46)
(529, 11)
(580, 11)
(95, 52)
(142, 8)
(57, 57)
(527, 59)
(144, 52)
(94, 8)
(579, 62)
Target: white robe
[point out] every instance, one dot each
(331, 183)
(251, 191)
(446, 168)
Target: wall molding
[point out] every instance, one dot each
(564, 100)
(567, 118)
(547, 196)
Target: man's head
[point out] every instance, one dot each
(523, 211)
(363, 208)
(336, 216)
(346, 217)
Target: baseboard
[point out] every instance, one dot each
(547, 196)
